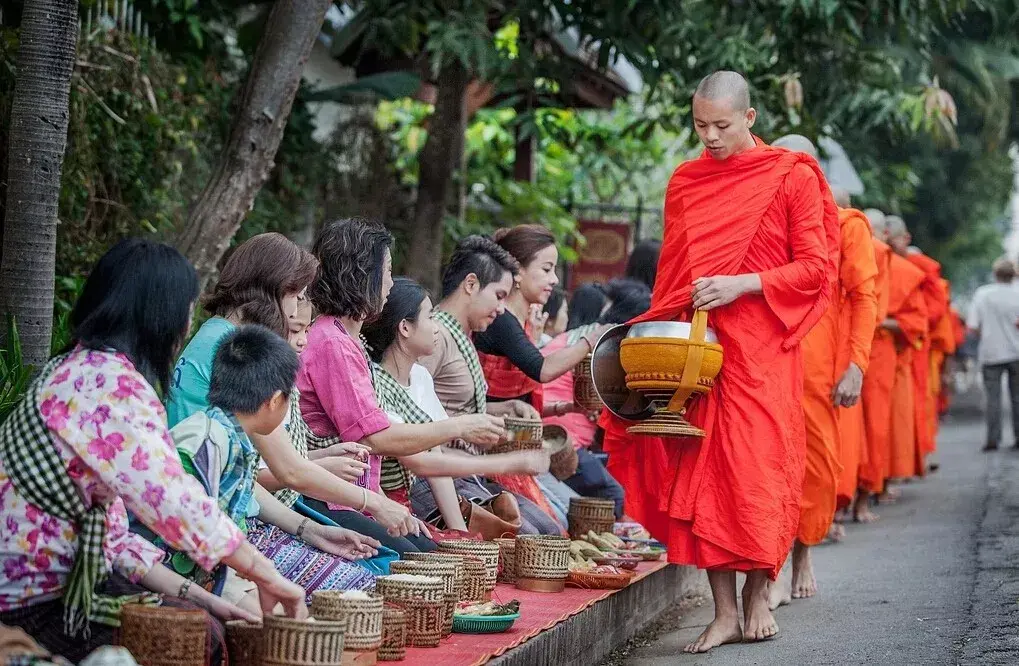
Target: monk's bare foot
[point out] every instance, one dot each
(804, 583)
(865, 515)
(722, 631)
(758, 622)
(836, 533)
(889, 496)
(780, 592)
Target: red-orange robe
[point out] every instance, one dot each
(640, 463)
(877, 383)
(911, 316)
(827, 351)
(936, 299)
(734, 502)
(942, 343)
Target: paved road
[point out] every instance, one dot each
(936, 581)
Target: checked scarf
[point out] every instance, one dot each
(33, 464)
(470, 354)
(393, 397)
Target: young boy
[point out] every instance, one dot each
(252, 377)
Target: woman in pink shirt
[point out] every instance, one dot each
(337, 394)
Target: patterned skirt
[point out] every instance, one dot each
(309, 567)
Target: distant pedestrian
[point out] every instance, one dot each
(994, 316)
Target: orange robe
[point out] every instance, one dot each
(942, 344)
(911, 315)
(827, 351)
(734, 498)
(878, 382)
(640, 463)
(859, 317)
(936, 299)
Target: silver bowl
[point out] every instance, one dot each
(667, 329)
(610, 379)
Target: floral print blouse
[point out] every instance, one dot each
(110, 430)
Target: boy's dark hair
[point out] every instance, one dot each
(352, 257)
(481, 256)
(586, 305)
(137, 300)
(555, 303)
(252, 364)
(643, 262)
(629, 299)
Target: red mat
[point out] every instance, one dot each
(538, 612)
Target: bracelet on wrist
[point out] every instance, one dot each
(300, 528)
(364, 500)
(185, 587)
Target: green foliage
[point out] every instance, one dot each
(15, 376)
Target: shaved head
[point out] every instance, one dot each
(896, 226)
(725, 85)
(877, 223)
(841, 196)
(898, 235)
(796, 143)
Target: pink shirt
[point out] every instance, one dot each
(580, 427)
(337, 396)
(109, 429)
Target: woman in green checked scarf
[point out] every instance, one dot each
(403, 333)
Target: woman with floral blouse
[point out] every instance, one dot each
(87, 444)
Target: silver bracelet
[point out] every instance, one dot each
(300, 528)
(364, 497)
(185, 587)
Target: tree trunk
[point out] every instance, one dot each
(255, 135)
(440, 156)
(38, 137)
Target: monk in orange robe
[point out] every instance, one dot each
(752, 237)
(936, 298)
(912, 328)
(942, 346)
(827, 386)
(877, 383)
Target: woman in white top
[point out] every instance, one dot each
(403, 334)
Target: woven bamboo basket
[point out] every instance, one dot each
(394, 635)
(475, 586)
(486, 550)
(543, 563)
(450, 591)
(425, 620)
(244, 642)
(521, 435)
(398, 590)
(588, 513)
(363, 617)
(444, 558)
(584, 393)
(158, 636)
(507, 560)
(563, 457)
(291, 642)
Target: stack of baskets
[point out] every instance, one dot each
(163, 635)
(394, 635)
(288, 642)
(470, 571)
(542, 563)
(563, 462)
(590, 514)
(521, 435)
(507, 560)
(363, 618)
(447, 572)
(584, 393)
(421, 599)
(487, 551)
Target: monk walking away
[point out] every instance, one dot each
(752, 237)
(994, 317)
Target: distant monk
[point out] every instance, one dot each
(908, 429)
(878, 382)
(942, 347)
(751, 235)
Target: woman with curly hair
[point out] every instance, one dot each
(337, 384)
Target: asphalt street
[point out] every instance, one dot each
(935, 581)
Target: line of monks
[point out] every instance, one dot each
(834, 331)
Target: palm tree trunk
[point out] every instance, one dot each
(440, 156)
(255, 136)
(38, 137)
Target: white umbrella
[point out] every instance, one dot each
(837, 168)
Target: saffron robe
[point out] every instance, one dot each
(942, 344)
(828, 349)
(911, 315)
(640, 463)
(936, 299)
(734, 497)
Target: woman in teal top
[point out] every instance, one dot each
(189, 387)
